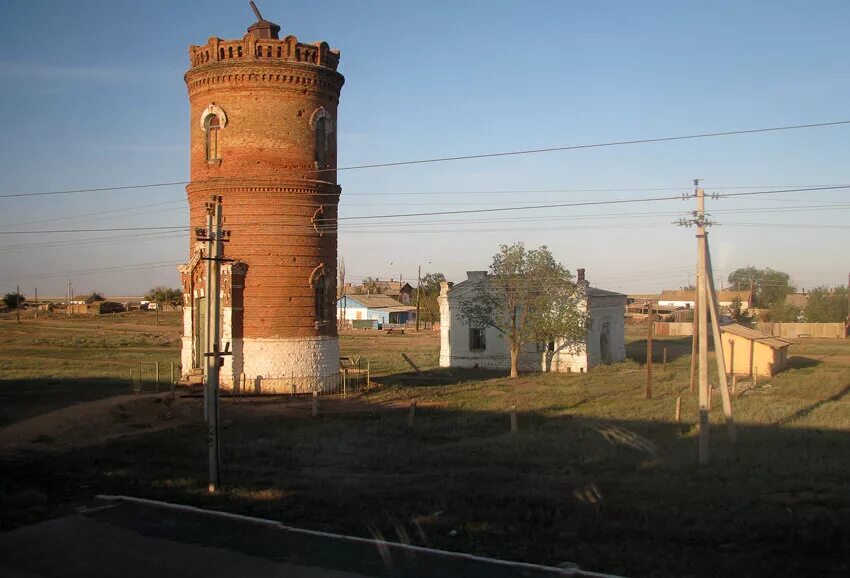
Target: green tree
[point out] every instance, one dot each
(429, 291)
(769, 286)
(782, 312)
(826, 305)
(528, 297)
(162, 295)
(13, 300)
(738, 313)
(370, 286)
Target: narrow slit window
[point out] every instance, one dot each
(320, 290)
(322, 140)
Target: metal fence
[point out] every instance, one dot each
(154, 377)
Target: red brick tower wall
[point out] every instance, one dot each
(268, 96)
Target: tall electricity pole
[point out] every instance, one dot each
(18, 303)
(648, 393)
(702, 304)
(68, 299)
(214, 236)
(707, 305)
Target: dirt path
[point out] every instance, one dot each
(95, 422)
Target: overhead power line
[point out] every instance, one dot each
(96, 213)
(590, 146)
(95, 190)
(476, 156)
(583, 204)
(139, 266)
(330, 224)
(180, 228)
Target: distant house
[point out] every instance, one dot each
(96, 308)
(382, 309)
(751, 352)
(465, 346)
(687, 299)
(398, 290)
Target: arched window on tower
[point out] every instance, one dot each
(212, 127)
(320, 293)
(321, 140)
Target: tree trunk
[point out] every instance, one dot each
(514, 358)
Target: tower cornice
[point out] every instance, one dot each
(275, 75)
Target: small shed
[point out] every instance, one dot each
(751, 352)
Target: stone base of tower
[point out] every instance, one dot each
(287, 365)
(255, 365)
(270, 366)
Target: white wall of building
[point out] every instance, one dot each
(350, 313)
(606, 314)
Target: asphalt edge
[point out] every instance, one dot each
(575, 572)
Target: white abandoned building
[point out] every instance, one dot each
(465, 346)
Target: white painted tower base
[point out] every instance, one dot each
(288, 365)
(269, 365)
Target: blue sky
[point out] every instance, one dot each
(93, 96)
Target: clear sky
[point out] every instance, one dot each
(92, 95)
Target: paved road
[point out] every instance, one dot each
(131, 539)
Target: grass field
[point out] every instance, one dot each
(56, 361)
(596, 474)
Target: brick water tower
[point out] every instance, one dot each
(263, 137)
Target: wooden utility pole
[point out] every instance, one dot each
(18, 303)
(702, 304)
(214, 236)
(418, 294)
(68, 299)
(36, 302)
(649, 324)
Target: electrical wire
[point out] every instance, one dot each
(588, 146)
(83, 215)
(475, 156)
(181, 228)
(139, 266)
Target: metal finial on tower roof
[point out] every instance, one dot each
(256, 10)
(262, 28)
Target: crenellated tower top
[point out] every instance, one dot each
(262, 43)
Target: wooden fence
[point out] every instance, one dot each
(673, 329)
(795, 330)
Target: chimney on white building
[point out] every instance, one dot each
(581, 281)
